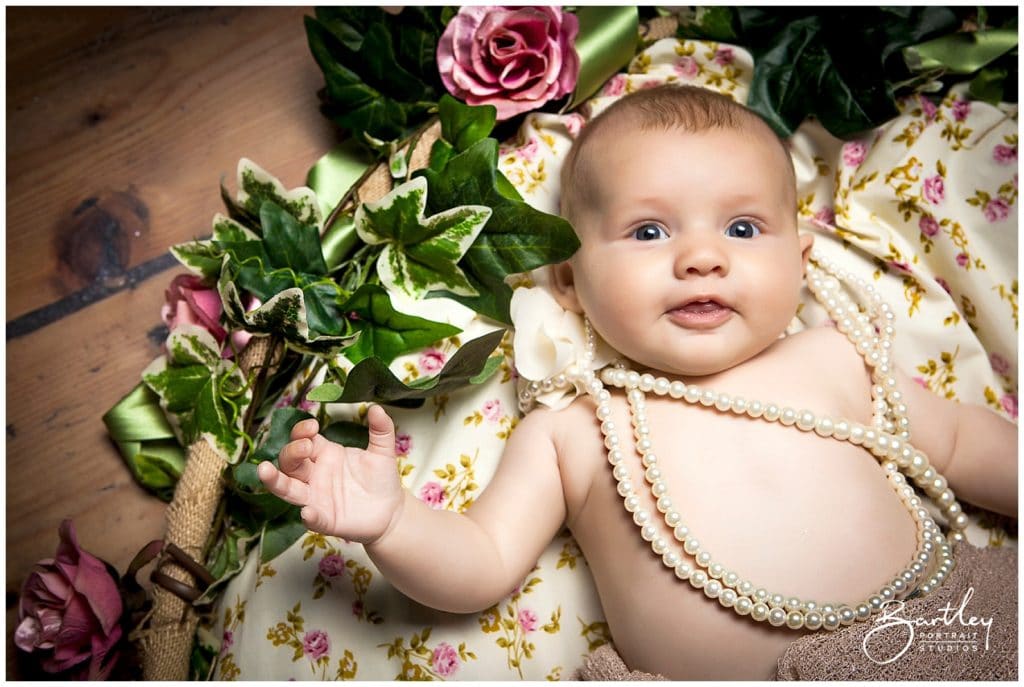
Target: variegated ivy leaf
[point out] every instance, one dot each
(203, 395)
(204, 257)
(256, 185)
(422, 253)
(287, 314)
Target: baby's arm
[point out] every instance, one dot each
(971, 446)
(450, 561)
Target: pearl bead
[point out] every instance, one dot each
(698, 578)
(856, 434)
(676, 389)
(824, 427)
(730, 579)
(842, 430)
(643, 445)
(712, 589)
(661, 386)
(649, 459)
(632, 379)
(813, 620)
(641, 517)
(646, 382)
(771, 412)
(792, 604)
(703, 559)
(671, 559)
(620, 471)
(745, 587)
(664, 505)
(805, 420)
(761, 594)
(684, 570)
(739, 405)
(681, 532)
(625, 488)
(691, 545)
(648, 532)
(727, 597)
(708, 397)
(795, 620)
(692, 394)
(787, 416)
(716, 570)
(659, 545)
(863, 611)
(723, 402)
(777, 617)
(743, 605)
(673, 518)
(830, 621)
(959, 521)
(755, 409)
(632, 503)
(846, 615)
(776, 601)
(875, 602)
(759, 611)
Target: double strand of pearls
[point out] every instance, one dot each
(897, 456)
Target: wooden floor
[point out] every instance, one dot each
(121, 123)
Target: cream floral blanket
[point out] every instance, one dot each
(924, 207)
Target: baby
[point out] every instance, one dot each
(690, 267)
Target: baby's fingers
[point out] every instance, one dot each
(296, 458)
(281, 485)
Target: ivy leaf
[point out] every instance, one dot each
(280, 534)
(372, 380)
(328, 392)
(203, 396)
(384, 332)
(517, 237)
(422, 253)
(256, 186)
(290, 243)
(463, 125)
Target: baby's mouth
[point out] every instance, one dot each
(702, 313)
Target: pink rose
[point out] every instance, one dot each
(332, 565)
(854, 153)
(70, 609)
(316, 644)
(928, 225)
(921, 382)
(961, 259)
(1009, 403)
(357, 608)
(825, 217)
(431, 361)
(188, 301)
(615, 85)
(573, 124)
(928, 108)
(432, 494)
(445, 660)
(529, 151)
(900, 266)
(226, 642)
(944, 284)
(527, 620)
(515, 58)
(997, 210)
(492, 410)
(1000, 365)
(723, 56)
(961, 108)
(403, 444)
(304, 404)
(686, 67)
(934, 189)
(1004, 154)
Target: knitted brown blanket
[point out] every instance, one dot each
(965, 630)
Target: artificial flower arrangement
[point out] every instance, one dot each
(301, 297)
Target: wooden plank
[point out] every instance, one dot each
(113, 148)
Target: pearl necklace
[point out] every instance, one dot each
(870, 329)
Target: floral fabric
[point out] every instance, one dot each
(925, 208)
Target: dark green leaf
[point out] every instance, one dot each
(290, 243)
(440, 153)
(279, 434)
(347, 433)
(386, 333)
(988, 85)
(517, 238)
(463, 125)
(280, 534)
(371, 380)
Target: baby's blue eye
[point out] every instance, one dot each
(649, 232)
(742, 230)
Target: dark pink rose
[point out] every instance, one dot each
(962, 259)
(287, 400)
(492, 410)
(445, 660)
(70, 610)
(723, 56)
(928, 225)
(432, 494)
(226, 642)
(316, 644)
(997, 210)
(825, 217)
(944, 284)
(527, 620)
(686, 67)
(615, 85)
(515, 58)
(431, 361)
(928, 108)
(189, 301)
(854, 153)
(332, 565)
(357, 608)
(961, 108)
(934, 189)
(1004, 154)
(1000, 365)
(403, 444)
(1009, 403)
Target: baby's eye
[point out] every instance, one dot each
(649, 232)
(742, 229)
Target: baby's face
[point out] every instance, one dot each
(690, 261)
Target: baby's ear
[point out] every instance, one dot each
(564, 287)
(806, 243)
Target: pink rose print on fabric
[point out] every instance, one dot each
(854, 153)
(529, 151)
(961, 259)
(492, 410)
(723, 56)
(615, 85)
(445, 660)
(357, 608)
(226, 642)
(431, 361)
(961, 108)
(527, 620)
(928, 225)
(1004, 154)
(432, 494)
(996, 210)
(403, 444)
(921, 382)
(316, 644)
(573, 124)
(900, 266)
(944, 284)
(686, 67)
(934, 189)
(927, 108)
(1000, 365)
(825, 217)
(287, 400)
(332, 565)
(1009, 403)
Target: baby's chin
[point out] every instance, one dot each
(689, 373)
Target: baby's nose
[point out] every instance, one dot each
(702, 258)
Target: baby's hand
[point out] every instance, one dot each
(345, 492)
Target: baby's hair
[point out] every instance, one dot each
(687, 108)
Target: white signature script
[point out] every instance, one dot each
(890, 618)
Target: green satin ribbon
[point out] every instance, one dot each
(606, 43)
(961, 53)
(146, 441)
(331, 178)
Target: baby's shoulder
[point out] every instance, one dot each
(823, 346)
